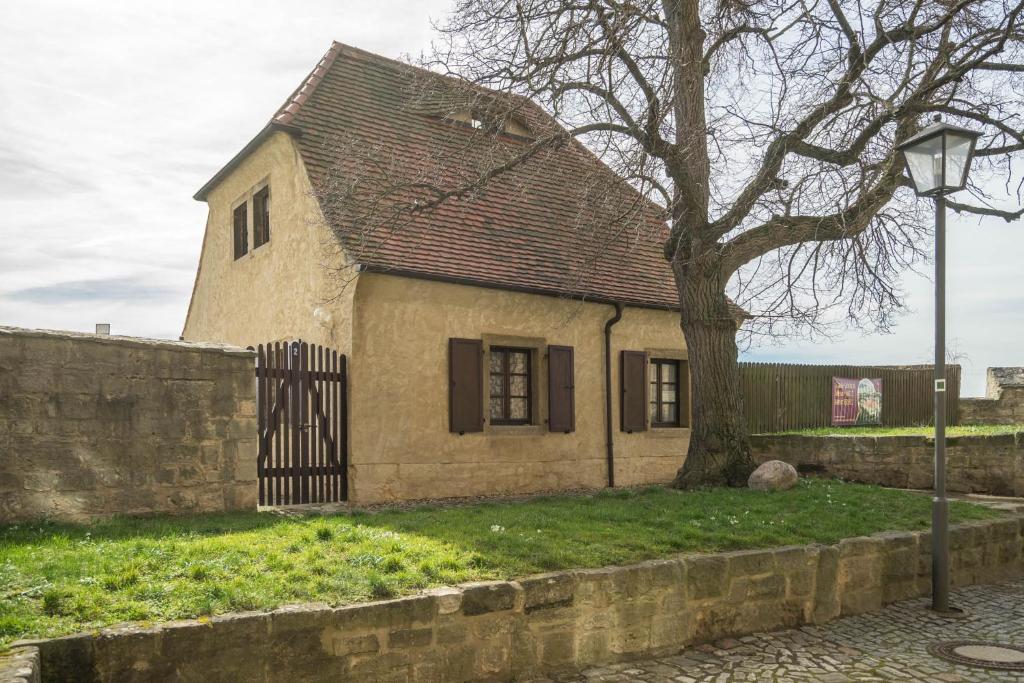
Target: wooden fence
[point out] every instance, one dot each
(779, 397)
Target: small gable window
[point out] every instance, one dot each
(240, 224)
(261, 217)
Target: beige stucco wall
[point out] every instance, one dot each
(272, 292)
(395, 331)
(400, 444)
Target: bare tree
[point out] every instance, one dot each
(763, 130)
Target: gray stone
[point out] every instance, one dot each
(773, 475)
(490, 596)
(547, 591)
(20, 665)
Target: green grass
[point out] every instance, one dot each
(58, 579)
(956, 430)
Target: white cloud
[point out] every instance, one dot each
(112, 114)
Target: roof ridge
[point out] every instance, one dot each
(367, 56)
(373, 56)
(286, 113)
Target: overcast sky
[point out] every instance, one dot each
(112, 115)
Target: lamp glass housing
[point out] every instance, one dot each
(939, 159)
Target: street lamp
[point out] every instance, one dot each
(938, 160)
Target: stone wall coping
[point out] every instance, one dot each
(895, 439)
(136, 342)
(550, 589)
(1007, 377)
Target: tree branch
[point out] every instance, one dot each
(1008, 216)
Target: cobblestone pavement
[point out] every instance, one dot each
(890, 645)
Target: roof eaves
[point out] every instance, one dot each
(266, 132)
(526, 289)
(282, 120)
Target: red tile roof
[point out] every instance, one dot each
(526, 230)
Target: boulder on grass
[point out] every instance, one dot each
(773, 475)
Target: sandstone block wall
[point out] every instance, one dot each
(1003, 402)
(974, 464)
(512, 630)
(92, 426)
(20, 665)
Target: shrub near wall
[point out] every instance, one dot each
(511, 630)
(93, 426)
(991, 465)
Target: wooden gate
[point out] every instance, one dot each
(303, 429)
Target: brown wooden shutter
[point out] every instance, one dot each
(257, 222)
(561, 390)
(261, 217)
(465, 385)
(684, 393)
(634, 391)
(240, 229)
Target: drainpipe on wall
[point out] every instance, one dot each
(608, 391)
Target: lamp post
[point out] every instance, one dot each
(938, 160)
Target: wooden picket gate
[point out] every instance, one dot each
(301, 402)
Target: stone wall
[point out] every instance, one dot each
(92, 426)
(511, 630)
(974, 464)
(20, 665)
(1003, 402)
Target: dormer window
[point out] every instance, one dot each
(481, 121)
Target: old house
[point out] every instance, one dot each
(483, 357)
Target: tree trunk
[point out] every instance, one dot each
(719, 443)
(719, 452)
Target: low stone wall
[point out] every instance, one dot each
(94, 425)
(1003, 402)
(974, 464)
(20, 665)
(511, 630)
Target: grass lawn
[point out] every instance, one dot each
(58, 579)
(956, 430)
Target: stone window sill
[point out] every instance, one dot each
(669, 432)
(515, 430)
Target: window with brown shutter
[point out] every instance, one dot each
(241, 230)
(261, 217)
(561, 390)
(510, 399)
(633, 377)
(663, 377)
(465, 385)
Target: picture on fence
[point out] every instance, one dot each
(856, 401)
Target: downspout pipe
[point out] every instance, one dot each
(609, 442)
